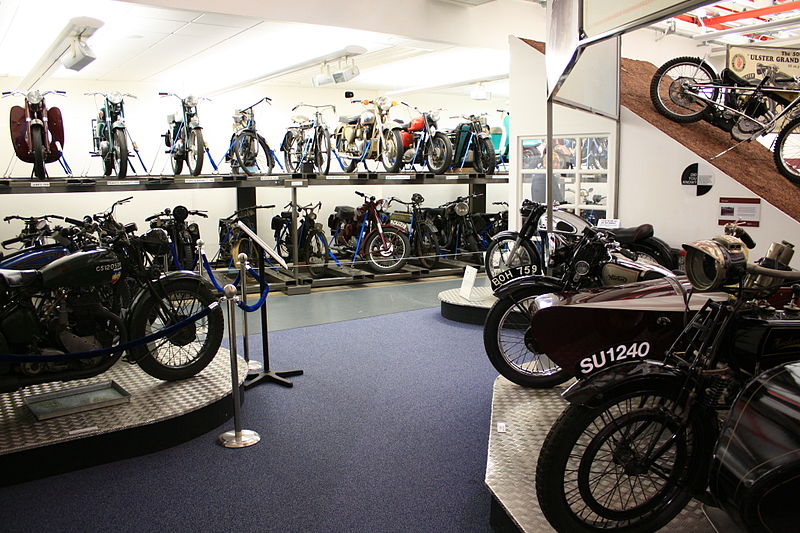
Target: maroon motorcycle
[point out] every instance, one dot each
(36, 131)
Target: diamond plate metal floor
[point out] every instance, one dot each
(511, 463)
(152, 401)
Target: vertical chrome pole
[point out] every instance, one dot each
(243, 267)
(238, 438)
(199, 249)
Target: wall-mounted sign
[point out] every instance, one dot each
(755, 62)
(745, 211)
(697, 179)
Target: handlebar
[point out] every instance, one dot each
(266, 99)
(9, 242)
(333, 107)
(244, 209)
(74, 221)
(790, 275)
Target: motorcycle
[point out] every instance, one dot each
(248, 151)
(37, 132)
(422, 232)
(370, 135)
(94, 301)
(641, 437)
(308, 142)
(526, 247)
(687, 89)
(472, 144)
(511, 340)
(457, 229)
(363, 233)
(312, 247)
(183, 236)
(109, 135)
(424, 144)
(184, 137)
(41, 243)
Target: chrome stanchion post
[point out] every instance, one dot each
(243, 266)
(238, 438)
(200, 268)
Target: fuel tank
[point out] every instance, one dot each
(82, 269)
(34, 257)
(755, 474)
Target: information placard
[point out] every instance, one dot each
(745, 211)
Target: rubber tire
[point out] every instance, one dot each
(528, 248)
(426, 247)
(656, 99)
(292, 153)
(447, 156)
(311, 250)
(198, 144)
(392, 137)
(484, 156)
(558, 445)
(242, 149)
(470, 251)
(177, 164)
(786, 171)
(37, 146)
(398, 263)
(494, 351)
(140, 315)
(322, 156)
(119, 154)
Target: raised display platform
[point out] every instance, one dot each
(160, 414)
(473, 311)
(525, 415)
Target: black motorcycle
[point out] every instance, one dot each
(109, 136)
(422, 232)
(91, 302)
(640, 438)
(183, 236)
(457, 230)
(184, 137)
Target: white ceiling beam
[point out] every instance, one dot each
(752, 28)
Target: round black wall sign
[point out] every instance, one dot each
(697, 179)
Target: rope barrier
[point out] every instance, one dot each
(34, 358)
(213, 278)
(261, 301)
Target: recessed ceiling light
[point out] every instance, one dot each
(134, 36)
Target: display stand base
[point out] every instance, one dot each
(473, 311)
(272, 376)
(245, 438)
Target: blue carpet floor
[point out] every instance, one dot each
(386, 432)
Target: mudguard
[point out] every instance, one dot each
(526, 282)
(165, 279)
(430, 226)
(614, 380)
(19, 134)
(55, 124)
(287, 140)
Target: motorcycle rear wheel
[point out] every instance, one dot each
(671, 99)
(510, 344)
(37, 145)
(786, 152)
(187, 351)
(588, 481)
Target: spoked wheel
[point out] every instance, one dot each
(195, 152)
(322, 157)
(293, 152)
(440, 153)
(253, 154)
(186, 351)
(392, 150)
(177, 160)
(510, 342)
(787, 151)
(498, 255)
(426, 247)
(120, 156)
(316, 253)
(389, 254)
(626, 465)
(37, 145)
(484, 156)
(674, 90)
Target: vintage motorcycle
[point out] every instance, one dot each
(422, 232)
(423, 143)
(41, 244)
(687, 89)
(248, 151)
(68, 320)
(308, 141)
(473, 145)
(312, 247)
(641, 437)
(510, 339)
(37, 132)
(184, 137)
(363, 233)
(109, 135)
(370, 135)
(183, 236)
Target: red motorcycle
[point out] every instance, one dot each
(36, 131)
(363, 233)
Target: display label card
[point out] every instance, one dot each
(468, 282)
(122, 182)
(608, 223)
(745, 211)
(40, 184)
(199, 180)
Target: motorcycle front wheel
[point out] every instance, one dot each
(626, 465)
(485, 159)
(37, 145)
(389, 254)
(440, 153)
(672, 99)
(510, 342)
(498, 255)
(426, 247)
(293, 153)
(392, 150)
(195, 152)
(787, 151)
(120, 153)
(322, 157)
(187, 351)
(315, 253)
(253, 154)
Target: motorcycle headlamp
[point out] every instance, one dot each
(384, 104)
(115, 98)
(417, 198)
(712, 264)
(34, 97)
(300, 119)
(180, 213)
(191, 101)
(461, 209)
(434, 115)
(312, 216)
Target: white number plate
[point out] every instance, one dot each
(610, 356)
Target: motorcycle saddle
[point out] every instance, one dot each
(17, 278)
(632, 235)
(729, 76)
(345, 211)
(349, 120)
(286, 214)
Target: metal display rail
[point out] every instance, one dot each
(292, 280)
